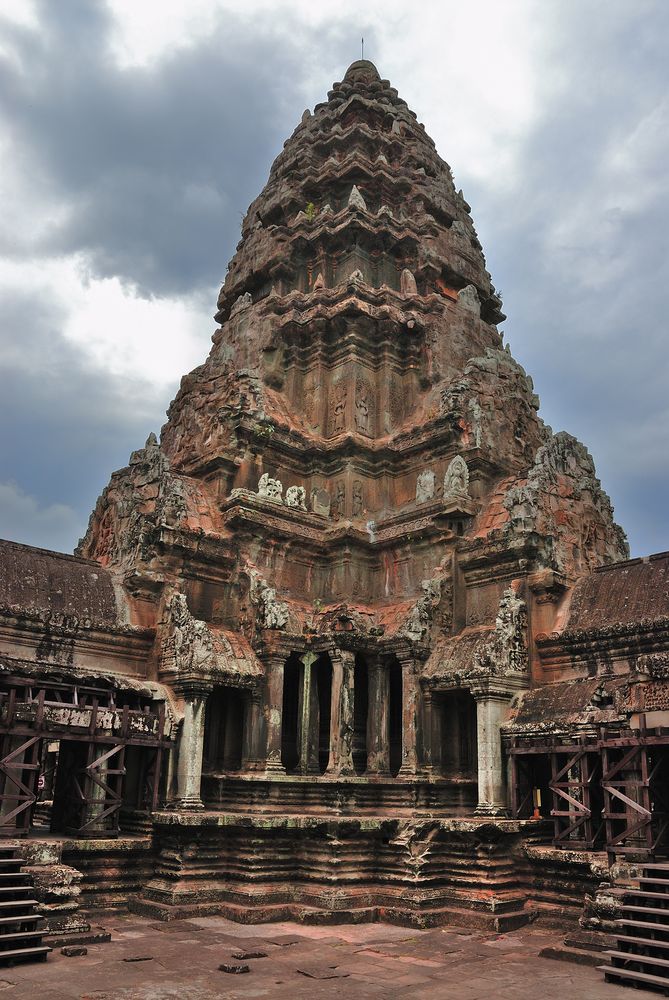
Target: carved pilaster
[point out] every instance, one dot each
(191, 746)
(378, 730)
(409, 766)
(492, 707)
(253, 758)
(273, 712)
(341, 732)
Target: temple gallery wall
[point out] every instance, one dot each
(357, 637)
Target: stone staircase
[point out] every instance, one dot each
(641, 957)
(21, 929)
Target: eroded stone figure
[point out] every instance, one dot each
(362, 412)
(425, 486)
(296, 496)
(339, 503)
(270, 489)
(358, 499)
(456, 480)
(339, 408)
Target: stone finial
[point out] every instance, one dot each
(356, 276)
(241, 302)
(355, 199)
(408, 282)
(306, 115)
(456, 480)
(319, 282)
(270, 489)
(296, 496)
(468, 298)
(425, 486)
(151, 441)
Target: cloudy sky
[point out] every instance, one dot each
(134, 134)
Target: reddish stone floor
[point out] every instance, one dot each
(180, 960)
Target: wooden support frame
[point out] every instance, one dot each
(33, 711)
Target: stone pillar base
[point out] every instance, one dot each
(485, 809)
(189, 804)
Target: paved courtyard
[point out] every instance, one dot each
(161, 961)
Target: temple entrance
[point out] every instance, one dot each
(459, 757)
(290, 714)
(360, 712)
(323, 668)
(395, 715)
(223, 730)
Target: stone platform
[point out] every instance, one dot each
(420, 872)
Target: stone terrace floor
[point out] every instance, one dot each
(161, 961)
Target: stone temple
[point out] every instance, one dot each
(359, 638)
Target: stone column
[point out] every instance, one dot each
(273, 712)
(252, 751)
(309, 717)
(427, 728)
(378, 728)
(341, 727)
(491, 711)
(409, 717)
(191, 746)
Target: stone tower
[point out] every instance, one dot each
(355, 520)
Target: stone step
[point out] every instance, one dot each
(658, 911)
(14, 878)
(631, 956)
(35, 954)
(643, 898)
(16, 904)
(643, 942)
(661, 883)
(26, 918)
(579, 956)
(11, 864)
(615, 975)
(643, 925)
(19, 936)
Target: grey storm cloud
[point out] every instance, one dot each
(153, 165)
(587, 304)
(66, 425)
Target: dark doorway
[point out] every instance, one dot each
(223, 730)
(459, 756)
(360, 712)
(323, 668)
(395, 715)
(290, 715)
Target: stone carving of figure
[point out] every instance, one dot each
(408, 282)
(358, 499)
(362, 411)
(456, 480)
(192, 640)
(339, 408)
(270, 611)
(270, 489)
(339, 504)
(425, 486)
(296, 496)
